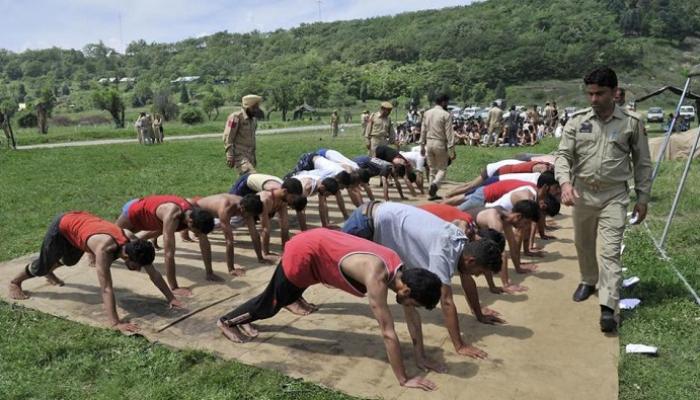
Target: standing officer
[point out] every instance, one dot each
(239, 135)
(379, 130)
(593, 167)
(494, 123)
(335, 120)
(437, 140)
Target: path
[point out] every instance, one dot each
(177, 137)
(551, 347)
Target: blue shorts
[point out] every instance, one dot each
(240, 188)
(476, 199)
(127, 205)
(321, 152)
(358, 224)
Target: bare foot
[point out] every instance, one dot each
(184, 292)
(526, 268)
(232, 333)
(214, 278)
(155, 243)
(237, 271)
(309, 306)
(249, 330)
(16, 292)
(53, 279)
(298, 309)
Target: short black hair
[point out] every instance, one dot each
(547, 178)
(400, 169)
(425, 286)
(443, 97)
(331, 185)
(603, 76)
(202, 220)
(140, 251)
(411, 176)
(496, 236)
(298, 203)
(293, 186)
(486, 253)
(344, 178)
(251, 204)
(528, 209)
(364, 175)
(355, 178)
(552, 205)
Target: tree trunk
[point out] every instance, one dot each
(284, 114)
(41, 120)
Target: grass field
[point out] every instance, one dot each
(48, 358)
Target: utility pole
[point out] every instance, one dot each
(121, 37)
(319, 11)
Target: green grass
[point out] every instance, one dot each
(76, 361)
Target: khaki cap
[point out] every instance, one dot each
(387, 105)
(250, 100)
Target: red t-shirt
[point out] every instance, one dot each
(142, 214)
(447, 212)
(495, 190)
(522, 168)
(79, 226)
(314, 256)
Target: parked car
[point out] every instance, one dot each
(687, 112)
(470, 112)
(655, 114)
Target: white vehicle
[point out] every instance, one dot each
(470, 112)
(687, 112)
(655, 114)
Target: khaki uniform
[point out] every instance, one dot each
(335, 120)
(379, 131)
(438, 137)
(239, 140)
(594, 155)
(495, 124)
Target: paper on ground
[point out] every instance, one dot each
(629, 282)
(641, 349)
(622, 248)
(629, 304)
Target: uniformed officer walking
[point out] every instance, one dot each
(437, 142)
(239, 135)
(335, 120)
(379, 130)
(494, 123)
(593, 165)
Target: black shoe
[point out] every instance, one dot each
(607, 320)
(583, 292)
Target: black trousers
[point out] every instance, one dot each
(55, 248)
(280, 292)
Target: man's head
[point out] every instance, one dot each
(251, 104)
(481, 256)
(419, 285)
(292, 186)
(399, 169)
(619, 97)
(344, 179)
(298, 202)
(443, 100)
(411, 175)
(547, 183)
(542, 167)
(199, 220)
(251, 205)
(524, 212)
(601, 84)
(138, 253)
(364, 175)
(494, 235)
(550, 205)
(385, 108)
(328, 186)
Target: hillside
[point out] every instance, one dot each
(474, 52)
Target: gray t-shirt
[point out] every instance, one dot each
(421, 239)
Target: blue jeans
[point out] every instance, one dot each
(359, 225)
(476, 199)
(125, 208)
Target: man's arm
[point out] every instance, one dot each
(266, 228)
(355, 196)
(398, 186)
(472, 295)
(368, 190)
(409, 185)
(284, 225)
(230, 132)
(323, 210)
(565, 154)
(385, 187)
(641, 161)
(170, 223)
(341, 204)
(159, 282)
(301, 217)
(224, 220)
(104, 276)
(449, 312)
(255, 238)
(377, 293)
(205, 249)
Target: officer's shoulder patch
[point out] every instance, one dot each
(585, 127)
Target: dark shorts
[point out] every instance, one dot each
(54, 249)
(240, 188)
(358, 224)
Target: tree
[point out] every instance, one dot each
(363, 92)
(163, 105)
(44, 106)
(500, 91)
(415, 97)
(479, 92)
(110, 100)
(65, 89)
(211, 103)
(142, 94)
(21, 93)
(184, 96)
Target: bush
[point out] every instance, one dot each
(192, 115)
(26, 119)
(61, 120)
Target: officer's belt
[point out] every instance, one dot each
(368, 211)
(435, 140)
(599, 186)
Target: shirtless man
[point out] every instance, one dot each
(350, 166)
(358, 267)
(423, 240)
(164, 215)
(72, 234)
(225, 206)
(276, 195)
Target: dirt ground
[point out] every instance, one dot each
(551, 347)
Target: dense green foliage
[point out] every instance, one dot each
(471, 51)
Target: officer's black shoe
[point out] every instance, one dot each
(607, 320)
(432, 193)
(583, 292)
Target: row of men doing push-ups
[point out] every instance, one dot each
(413, 251)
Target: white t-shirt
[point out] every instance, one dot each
(327, 165)
(421, 239)
(493, 167)
(417, 160)
(505, 200)
(531, 177)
